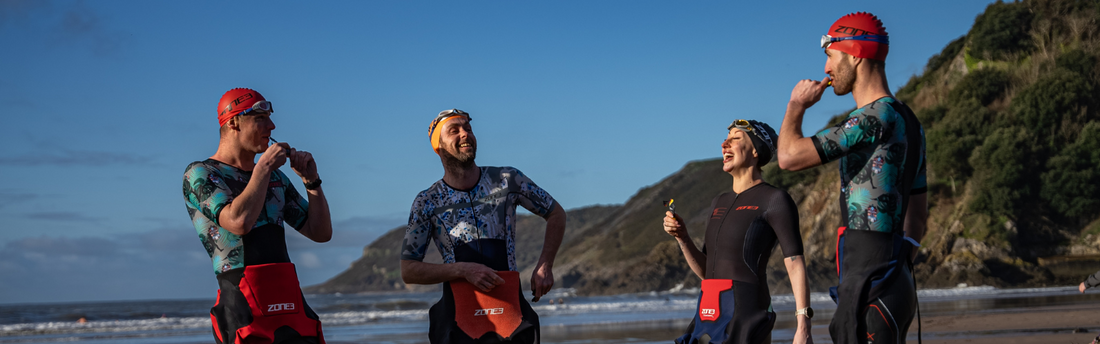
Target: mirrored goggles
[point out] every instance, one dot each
(740, 124)
(262, 106)
(826, 39)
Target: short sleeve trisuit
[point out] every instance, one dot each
(744, 228)
(210, 185)
(871, 146)
(742, 231)
(880, 168)
(454, 218)
(475, 225)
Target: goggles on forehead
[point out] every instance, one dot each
(443, 115)
(751, 130)
(740, 124)
(826, 39)
(262, 106)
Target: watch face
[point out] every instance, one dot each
(809, 312)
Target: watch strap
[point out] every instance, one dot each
(316, 183)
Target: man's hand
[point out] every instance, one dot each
(302, 163)
(274, 156)
(807, 92)
(1082, 287)
(481, 276)
(541, 281)
(674, 226)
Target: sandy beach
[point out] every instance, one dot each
(1056, 324)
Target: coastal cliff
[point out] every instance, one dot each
(1010, 113)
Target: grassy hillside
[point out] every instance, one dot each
(1011, 113)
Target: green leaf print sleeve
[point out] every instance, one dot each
(920, 182)
(862, 127)
(205, 191)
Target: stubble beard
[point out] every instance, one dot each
(844, 79)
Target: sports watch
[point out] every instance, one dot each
(808, 312)
(316, 183)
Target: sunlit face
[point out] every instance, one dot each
(840, 69)
(457, 140)
(737, 151)
(254, 130)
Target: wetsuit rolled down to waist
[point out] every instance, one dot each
(743, 229)
(876, 286)
(730, 312)
(465, 314)
(262, 302)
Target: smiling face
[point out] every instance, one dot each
(840, 68)
(737, 151)
(457, 141)
(253, 130)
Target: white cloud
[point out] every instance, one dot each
(309, 260)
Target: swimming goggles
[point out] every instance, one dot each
(443, 115)
(740, 124)
(745, 125)
(826, 39)
(262, 106)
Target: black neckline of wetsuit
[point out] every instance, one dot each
(480, 173)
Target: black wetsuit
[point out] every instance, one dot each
(742, 231)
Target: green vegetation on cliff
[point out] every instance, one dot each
(1011, 114)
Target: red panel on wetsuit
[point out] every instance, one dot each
(839, 233)
(214, 320)
(273, 287)
(478, 313)
(710, 305)
(275, 298)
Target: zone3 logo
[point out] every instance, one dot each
(488, 311)
(707, 311)
(276, 307)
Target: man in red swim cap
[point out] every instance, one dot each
(883, 197)
(238, 205)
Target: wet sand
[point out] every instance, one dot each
(1056, 324)
(1071, 319)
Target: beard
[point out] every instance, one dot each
(459, 161)
(844, 79)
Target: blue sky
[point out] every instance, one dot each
(104, 104)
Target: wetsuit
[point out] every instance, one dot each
(742, 231)
(475, 225)
(259, 293)
(1093, 280)
(881, 151)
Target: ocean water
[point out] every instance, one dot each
(654, 317)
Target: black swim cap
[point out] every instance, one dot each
(763, 138)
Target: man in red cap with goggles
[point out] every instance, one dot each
(883, 199)
(471, 215)
(238, 205)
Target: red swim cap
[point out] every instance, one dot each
(235, 101)
(860, 24)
